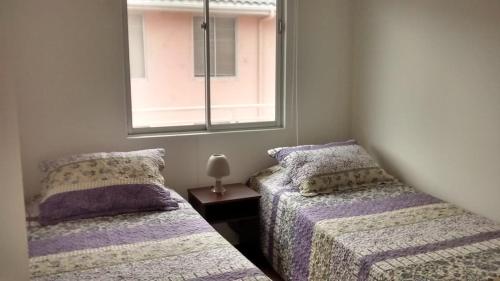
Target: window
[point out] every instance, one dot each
(240, 40)
(222, 46)
(136, 46)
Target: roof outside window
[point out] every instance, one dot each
(257, 7)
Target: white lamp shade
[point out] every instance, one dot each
(217, 166)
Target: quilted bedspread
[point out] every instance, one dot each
(174, 245)
(377, 232)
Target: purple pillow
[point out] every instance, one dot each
(105, 201)
(102, 184)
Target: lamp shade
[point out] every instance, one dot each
(217, 166)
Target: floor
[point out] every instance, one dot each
(256, 257)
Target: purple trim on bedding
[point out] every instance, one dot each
(308, 217)
(232, 275)
(366, 207)
(274, 212)
(286, 151)
(105, 201)
(368, 261)
(118, 236)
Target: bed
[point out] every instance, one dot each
(382, 231)
(170, 245)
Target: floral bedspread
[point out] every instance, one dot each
(374, 232)
(174, 245)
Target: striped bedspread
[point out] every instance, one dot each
(378, 232)
(174, 245)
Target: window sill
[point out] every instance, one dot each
(202, 133)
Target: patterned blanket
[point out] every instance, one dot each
(376, 232)
(174, 245)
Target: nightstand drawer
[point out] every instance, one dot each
(230, 211)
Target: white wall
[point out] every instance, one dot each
(324, 69)
(13, 248)
(72, 91)
(427, 95)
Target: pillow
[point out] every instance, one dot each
(100, 184)
(325, 170)
(280, 153)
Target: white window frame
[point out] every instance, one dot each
(208, 127)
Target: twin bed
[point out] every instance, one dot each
(169, 245)
(382, 231)
(327, 213)
(108, 216)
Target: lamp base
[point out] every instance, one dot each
(218, 187)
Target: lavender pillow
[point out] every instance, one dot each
(100, 184)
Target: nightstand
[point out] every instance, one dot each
(238, 207)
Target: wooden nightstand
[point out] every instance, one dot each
(238, 207)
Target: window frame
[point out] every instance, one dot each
(208, 127)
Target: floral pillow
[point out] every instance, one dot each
(280, 153)
(326, 169)
(100, 184)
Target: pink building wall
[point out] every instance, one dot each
(170, 81)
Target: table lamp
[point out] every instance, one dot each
(218, 167)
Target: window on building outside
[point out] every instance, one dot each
(136, 46)
(171, 50)
(222, 47)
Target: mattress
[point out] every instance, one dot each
(173, 245)
(385, 231)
